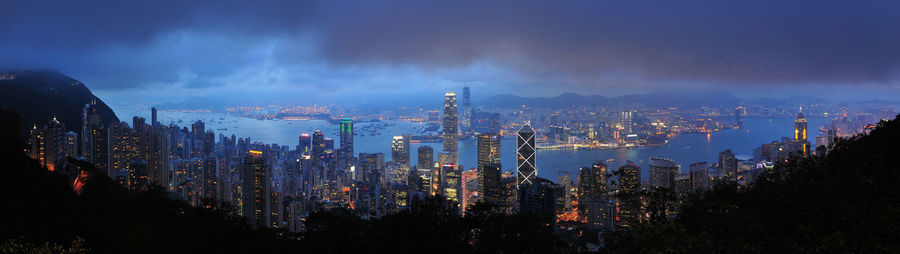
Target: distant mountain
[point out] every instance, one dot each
(38, 95)
(673, 98)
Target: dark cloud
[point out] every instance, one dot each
(594, 43)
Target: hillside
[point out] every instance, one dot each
(38, 95)
(845, 202)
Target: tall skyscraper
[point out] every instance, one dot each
(699, 176)
(800, 134)
(800, 127)
(198, 139)
(490, 180)
(304, 143)
(662, 173)
(629, 201)
(425, 157)
(318, 147)
(592, 183)
(737, 116)
(153, 119)
(400, 157)
(48, 144)
(538, 198)
(255, 189)
(465, 116)
(526, 169)
(627, 122)
(488, 149)
(728, 165)
(451, 126)
(400, 150)
(346, 155)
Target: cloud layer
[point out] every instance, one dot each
(332, 46)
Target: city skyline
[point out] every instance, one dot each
(449, 127)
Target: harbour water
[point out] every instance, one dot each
(684, 149)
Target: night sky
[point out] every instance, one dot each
(169, 50)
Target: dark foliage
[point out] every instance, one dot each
(430, 228)
(847, 201)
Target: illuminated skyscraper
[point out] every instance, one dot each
(48, 144)
(488, 149)
(198, 139)
(255, 189)
(737, 116)
(465, 116)
(346, 155)
(400, 150)
(800, 134)
(318, 147)
(451, 126)
(800, 127)
(304, 143)
(425, 157)
(120, 147)
(627, 122)
(400, 157)
(592, 183)
(629, 200)
(490, 180)
(451, 182)
(699, 176)
(526, 169)
(662, 172)
(94, 136)
(728, 165)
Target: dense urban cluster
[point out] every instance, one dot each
(279, 186)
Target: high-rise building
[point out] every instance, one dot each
(198, 139)
(662, 173)
(255, 189)
(800, 135)
(737, 116)
(800, 127)
(592, 182)
(153, 120)
(120, 147)
(400, 150)
(488, 149)
(209, 178)
(627, 122)
(346, 155)
(94, 137)
(318, 146)
(490, 180)
(451, 126)
(451, 183)
(400, 157)
(304, 143)
(728, 165)
(699, 176)
(539, 198)
(465, 116)
(48, 144)
(629, 200)
(138, 178)
(425, 157)
(526, 169)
